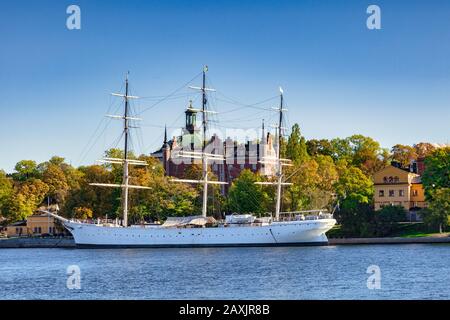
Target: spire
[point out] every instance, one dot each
(165, 145)
(165, 134)
(263, 138)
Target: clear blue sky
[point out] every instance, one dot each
(339, 77)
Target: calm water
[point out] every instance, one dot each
(335, 272)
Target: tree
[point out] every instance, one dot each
(387, 219)
(359, 151)
(319, 147)
(437, 171)
(56, 180)
(296, 149)
(424, 149)
(366, 153)
(245, 196)
(438, 213)
(102, 201)
(342, 150)
(353, 184)
(304, 178)
(6, 190)
(355, 218)
(403, 154)
(82, 213)
(25, 169)
(26, 198)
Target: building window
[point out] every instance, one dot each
(401, 193)
(381, 193)
(396, 179)
(391, 193)
(385, 179)
(415, 193)
(391, 179)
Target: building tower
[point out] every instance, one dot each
(166, 153)
(191, 119)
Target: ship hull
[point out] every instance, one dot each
(293, 233)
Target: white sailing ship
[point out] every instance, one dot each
(201, 231)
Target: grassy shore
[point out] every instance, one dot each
(401, 230)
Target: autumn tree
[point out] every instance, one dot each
(102, 201)
(403, 154)
(424, 149)
(6, 190)
(82, 213)
(26, 198)
(56, 180)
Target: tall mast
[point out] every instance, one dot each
(277, 160)
(204, 160)
(125, 162)
(279, 164)
(202, 155)
(125, 186)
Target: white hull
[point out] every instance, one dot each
(307, 232)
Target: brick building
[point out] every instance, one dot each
(238, 156)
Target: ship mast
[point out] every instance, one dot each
(204, 160)
(125, 179)
(204, 156)
(278, 161)
(279, 165)
(125, 161)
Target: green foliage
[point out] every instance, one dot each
(355, 218)
(386, 220)
(353, 184)
(245, 196)
(360, 220)
(319, 147)
(437, 171)
(296, 149)
(438, 213)
(26, 169)
(26, 198)
(6, 190)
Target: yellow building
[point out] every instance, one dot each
(37, 224)
(395, 186)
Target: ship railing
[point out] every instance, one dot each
(98, 221)
(305, 215)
